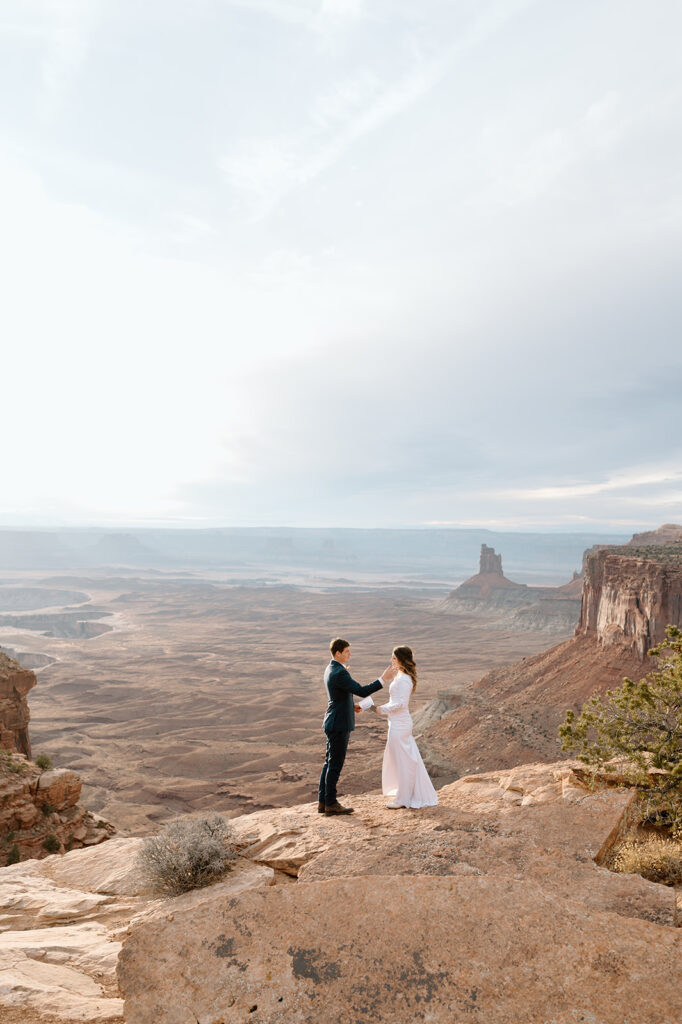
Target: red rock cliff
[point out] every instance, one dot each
(628, 601)
(15, 682)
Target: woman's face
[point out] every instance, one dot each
(395, 662)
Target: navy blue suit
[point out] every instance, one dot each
(339, 722)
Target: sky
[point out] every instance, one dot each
(341, 263)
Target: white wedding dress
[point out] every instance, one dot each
(404, 779)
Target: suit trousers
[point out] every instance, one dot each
(337, 745)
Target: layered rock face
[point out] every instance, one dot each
(15, 682)
(628, 601)
(39, 810)
(40, 813)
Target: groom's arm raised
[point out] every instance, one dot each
(346, 682)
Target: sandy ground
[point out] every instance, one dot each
(208, 696)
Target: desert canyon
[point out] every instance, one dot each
(165, 691)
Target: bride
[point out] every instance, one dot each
(404, 778)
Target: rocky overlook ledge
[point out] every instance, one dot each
(492, 907)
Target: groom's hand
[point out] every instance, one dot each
(389, 674)
(357, 709)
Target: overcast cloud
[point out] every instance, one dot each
(350, 262)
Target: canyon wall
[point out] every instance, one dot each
(628, 601)
(512, 714)
(15, 682)
(39, 810)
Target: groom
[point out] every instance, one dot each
(339, 721)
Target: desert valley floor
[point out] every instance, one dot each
(200, 694)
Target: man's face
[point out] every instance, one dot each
(344, 656)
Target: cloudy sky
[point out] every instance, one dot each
(341, 262)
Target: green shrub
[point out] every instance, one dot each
(13, 857)
(44, 762)
(639, 725)
(51, 844)
(48, 809)
(187, 854)
(655, 858)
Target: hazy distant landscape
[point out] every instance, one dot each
(198, 684)
(418, 555)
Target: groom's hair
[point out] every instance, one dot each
(338, 645)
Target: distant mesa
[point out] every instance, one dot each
(488, 581)
(122, 549)
(68, 624)
(528, 607)
(28, 659)
(28, 599)
(669, 533)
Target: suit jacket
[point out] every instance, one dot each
(341, 686)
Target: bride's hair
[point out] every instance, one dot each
(407, 663)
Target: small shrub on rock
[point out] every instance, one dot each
(187, 854)
(640, 726)
(44, 762)
(655, 858)
(51, 844)
(13, 857)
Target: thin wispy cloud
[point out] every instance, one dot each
(622, 482)
(268, 169)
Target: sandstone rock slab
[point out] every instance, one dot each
(464, 949)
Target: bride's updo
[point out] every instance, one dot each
(407, 663)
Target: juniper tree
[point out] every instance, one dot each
(640, 725)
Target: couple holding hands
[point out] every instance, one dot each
(404, 779)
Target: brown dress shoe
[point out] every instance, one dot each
(320, 807)
(337, 808)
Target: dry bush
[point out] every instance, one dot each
(187, 854)
(655, 858)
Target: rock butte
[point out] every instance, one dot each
(516, 604)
